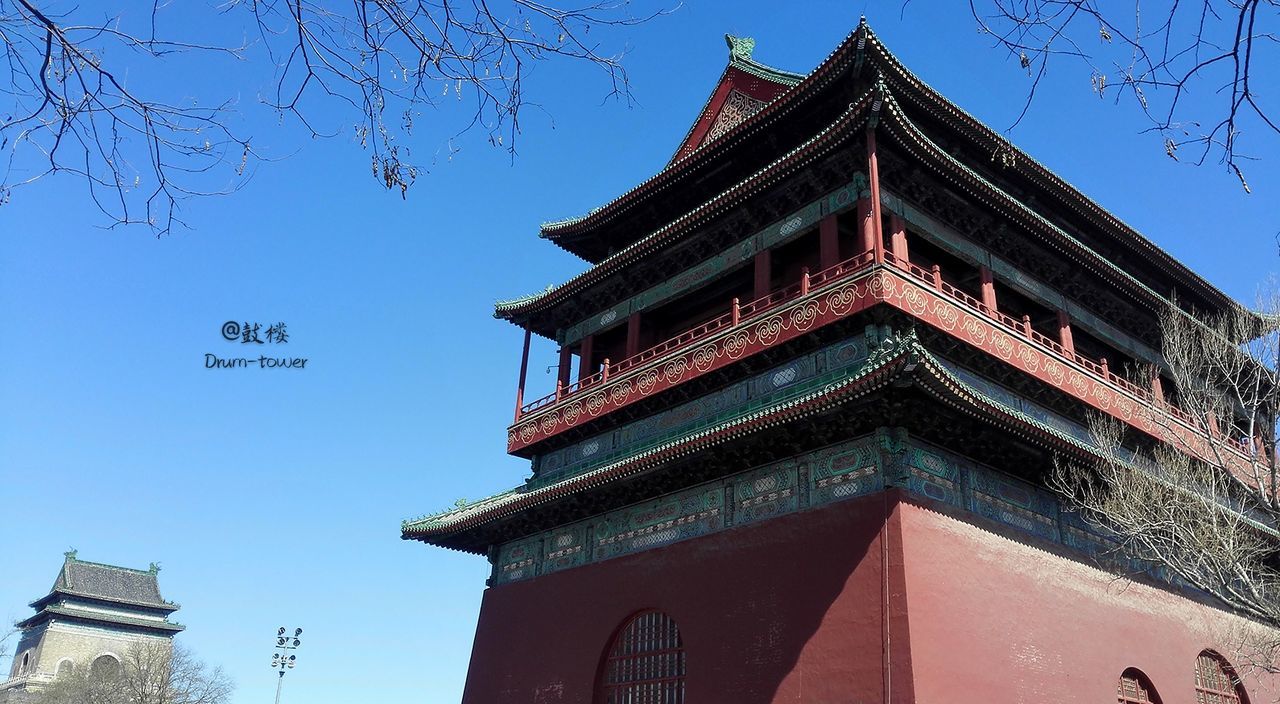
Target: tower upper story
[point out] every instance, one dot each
(798, 210)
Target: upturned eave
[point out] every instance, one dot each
(911, 364)
(863, 53)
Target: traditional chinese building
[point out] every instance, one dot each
(810, 386)
(90, 619)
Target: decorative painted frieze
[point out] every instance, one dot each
(839, 472)
(766, 492)
(680, 516)
(858, 467)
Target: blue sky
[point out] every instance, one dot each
(275, 497)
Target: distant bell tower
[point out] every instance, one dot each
(90, 618)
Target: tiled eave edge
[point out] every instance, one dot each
(909, 359)
(908, 136)
(900, 78)
(830, 68)
(906, 360)
(955, 393)
(851, 51)
(38, 603)
(870, 379)
(815, 148)
(56, 611)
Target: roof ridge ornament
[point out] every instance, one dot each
(740, 48)
(70, 555)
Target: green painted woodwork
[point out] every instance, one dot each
(766, 492)
(857, 467)
(679, 516)
(755, 495)
(803, 375)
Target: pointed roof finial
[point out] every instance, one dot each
(740, 47)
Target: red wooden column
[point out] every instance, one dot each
(764, 272)
(867, 239)
(1064, 333)
(633, 335)
(565, 369)
(585, 368)
(524, 371)
(898, 239)
(873, 171)
(828, 242)
(988, 287)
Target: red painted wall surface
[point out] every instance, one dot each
(787, 610)
(994, 619)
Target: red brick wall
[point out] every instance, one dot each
(996, 620)
(793, 610)
(788, 610)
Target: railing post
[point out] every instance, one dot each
(1064, 333)
(804, 281)
(1106, 369)
(559, 389)
(898, 240)
(988, 283)
(604, 372)
(937, 276)
(524, 370)
(1026, 325)
(736, 314)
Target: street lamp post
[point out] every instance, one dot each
(283, 660)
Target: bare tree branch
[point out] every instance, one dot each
(1198, 499)
(1190, 72)
(156, 672)
(382, 62)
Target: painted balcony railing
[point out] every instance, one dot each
(1100, 368)
(736, 315)
(540, 419)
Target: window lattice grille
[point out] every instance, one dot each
(646, 663)
(1215, 682)
(1134, 688)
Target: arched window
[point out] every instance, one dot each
(1135, 688)
(1216, 681)
(65, 667)
(105, 666)
(26, 662)
(645, 663)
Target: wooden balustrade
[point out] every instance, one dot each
(809, 283)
